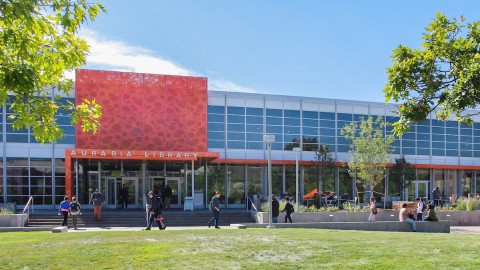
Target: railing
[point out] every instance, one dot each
(27, 208)
(253, 209)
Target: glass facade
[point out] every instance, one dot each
(448, 152)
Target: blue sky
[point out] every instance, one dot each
(324, 48)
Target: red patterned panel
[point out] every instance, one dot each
(145, 111)
(154, 106)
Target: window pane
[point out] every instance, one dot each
(236, 110)
(274, 121)
(216, 109)
(255, 111)
(255, 128)
(216, 127)
(310, 115)
(274, 112)
(216, 118)
(255, 120)
(216, 144)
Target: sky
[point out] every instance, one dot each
(334, 49)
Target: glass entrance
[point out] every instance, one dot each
(421, 189)
(157, 184)
(110, 189)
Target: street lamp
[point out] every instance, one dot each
(297, 151)
(269, 139)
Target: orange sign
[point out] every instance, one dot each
(137, 154)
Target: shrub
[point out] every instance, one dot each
(466, 204)
(7, 208)
(332, 208)
(351, 207)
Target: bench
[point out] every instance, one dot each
(238, 226)
(60, 229)
(442, 226)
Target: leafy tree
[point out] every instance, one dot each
(370, 151)
(442, 77)
(402, 171)
(325, 165)
(38, 44)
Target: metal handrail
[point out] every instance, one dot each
(253, 209)
(29, 202)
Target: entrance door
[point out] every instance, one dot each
(132, 185)
(174, 184)
(158, 183)
(111, 191)
(421, 189)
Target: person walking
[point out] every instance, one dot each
(215, 209)
(124, 196)
(373, 210)
(75, 211)
(275, 209)
(288, 210)
(97, 201)
(154, 212)
(64, 209)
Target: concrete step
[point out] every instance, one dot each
(119, 218)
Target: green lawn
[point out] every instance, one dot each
(239, 249)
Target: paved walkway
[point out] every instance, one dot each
(453, 229)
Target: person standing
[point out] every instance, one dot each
(97, 201)
(403, 217)
(167, 196)
(124, 196)
(436, 196)
(288, 210)
(373, 210)
(215, 208)
(154, 212)
(419, 204)
(75, 211)
(64, 209)
(275, 209)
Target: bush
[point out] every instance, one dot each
(351, 207)
(465, 204)
(8, 208)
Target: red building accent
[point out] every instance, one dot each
(145, 111)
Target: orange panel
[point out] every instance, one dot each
(145, 111)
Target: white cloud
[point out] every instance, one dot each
(116, 55)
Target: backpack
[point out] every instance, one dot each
(74, 207)
(210, 207)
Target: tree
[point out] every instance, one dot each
(325, 165)
(370, 151)
(38, 44)
(442, 77)
(400, 174)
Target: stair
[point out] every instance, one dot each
(137, 218)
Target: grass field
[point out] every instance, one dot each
(239, 249)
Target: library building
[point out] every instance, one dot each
(162, 130)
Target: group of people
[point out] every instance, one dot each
(74, 209)
(405, 215)
(68, 208)
(288, 209)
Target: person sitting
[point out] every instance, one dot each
(431, 214)
(403, 216)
